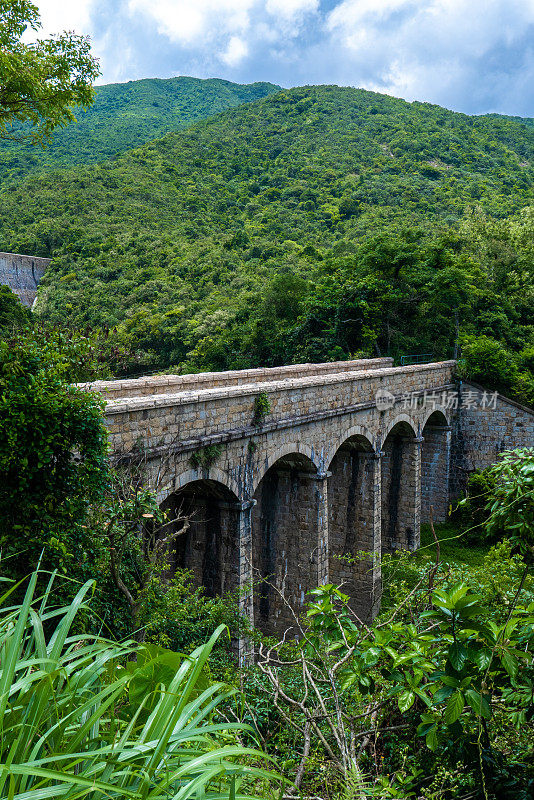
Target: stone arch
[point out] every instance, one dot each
(354, 521)
(435, 466)
(353, 431)
(438, 414)
(273, 456)
(285, 537)
(207, 511)
(400, 418)
(191, 475)
(400, 485)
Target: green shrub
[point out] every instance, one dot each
(487, 361)
(471, 512)
(12, 312)
(177, 614)
(206, 456)
(81, 716)
(262, 406)
(53, 461)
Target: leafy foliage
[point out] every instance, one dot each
(511, 498)
(439, 675)
(262, 406)
(206, 456)
(80, 718)
(40, 81)
(53, 459)
(12, 312)
(489, 362)
(79, 357)
(500, 500)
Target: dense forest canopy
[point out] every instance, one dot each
(126, 115)
(308, 225)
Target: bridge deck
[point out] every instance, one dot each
(362, 384)
(171, 384)
(182, 420)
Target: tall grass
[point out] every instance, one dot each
(79, 719)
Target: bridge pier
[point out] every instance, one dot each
(322, 523)
(289, 529)
(354, 522)
(435, 468)
(401, 490)
(246, 577)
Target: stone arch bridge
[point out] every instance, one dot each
(348, 458)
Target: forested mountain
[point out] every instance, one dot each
(311, 224)
(126, 115)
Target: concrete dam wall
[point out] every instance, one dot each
(22, 274)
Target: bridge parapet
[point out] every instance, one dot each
(186, 420)
(171, 384)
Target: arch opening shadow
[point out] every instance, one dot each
(284, 537)
(353, 522)
(209, 547)
(400, 489)
(435, 462)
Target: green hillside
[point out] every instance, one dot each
(126, 115)
(311, 224)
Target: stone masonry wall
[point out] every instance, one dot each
(285, 505)
(22, 274)
(435, 459)
(287, 497)
(352, 529)
(485, 424)
(167, 384)
(186, 418)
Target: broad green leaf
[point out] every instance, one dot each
(432, 738)
(510, 664)
(406, 701)
(442, 694)
(481, 657)
(457, 655)
(478, 703)
(454, 708)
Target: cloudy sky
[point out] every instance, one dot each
(468, 55)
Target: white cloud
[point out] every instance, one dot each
(58, 16)
(428, 49)
(236, 51)
(291, 8)
(188, 22)
(355, 12)
(226, 30)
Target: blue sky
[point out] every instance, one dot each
(473, 56)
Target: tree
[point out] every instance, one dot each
(40, 81)
(12, 312)
(510, 500)
(53, 462)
